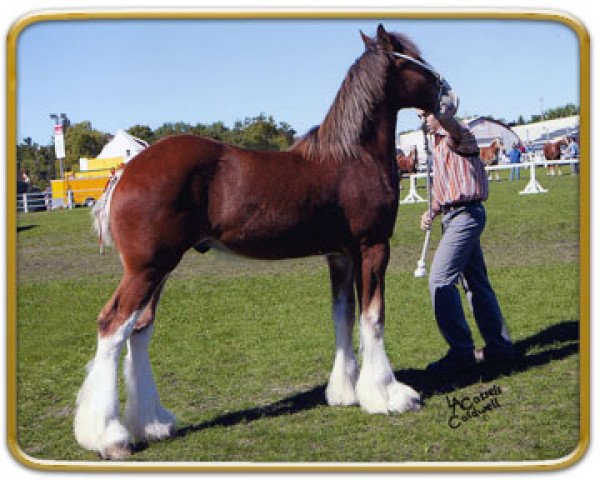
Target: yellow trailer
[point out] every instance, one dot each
(83, 191)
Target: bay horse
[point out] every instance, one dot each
(489, 155)
(333, 193)
(407, 163)
(552, 151)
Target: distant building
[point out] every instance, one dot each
(486, 129)
(122, 148)
(539, 133)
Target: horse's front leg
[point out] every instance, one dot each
(342, 381)
(377, 388)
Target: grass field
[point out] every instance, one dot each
(242, 349)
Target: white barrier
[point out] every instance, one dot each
(34, 201)
(413, 196)
(533, 186)
(37, 201)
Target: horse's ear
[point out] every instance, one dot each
(368, 41)
(384, 38)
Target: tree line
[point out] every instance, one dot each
(260, 133)
(82, 140)
(559, 112)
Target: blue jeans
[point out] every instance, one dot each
(459, 257)
(515, 172)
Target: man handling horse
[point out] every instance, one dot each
(459, 187)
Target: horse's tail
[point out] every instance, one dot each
(101, 213)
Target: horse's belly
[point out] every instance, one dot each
(302, 237)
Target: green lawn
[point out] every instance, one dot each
(242, 349)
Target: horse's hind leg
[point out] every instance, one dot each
(97, 426)
(145, 417)
(342, 381)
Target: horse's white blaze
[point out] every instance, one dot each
(377, 388)
(145, 417)
(342, 381)
(97, 426)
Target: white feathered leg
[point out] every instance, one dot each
(377, 387)
(145, 417)
(342, 381)
(97, 426)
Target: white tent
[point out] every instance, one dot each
(487, 129)
(123, 145)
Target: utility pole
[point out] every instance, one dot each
(542, 112)
(59, 138)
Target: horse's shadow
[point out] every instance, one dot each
(24, 228)
(554, 343)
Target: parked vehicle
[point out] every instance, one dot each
(84, 191)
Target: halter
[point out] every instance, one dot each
(441, 82)
(421, 64)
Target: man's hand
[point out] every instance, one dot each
(448, 102)
(426, 220)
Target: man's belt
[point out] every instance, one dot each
(455, 206)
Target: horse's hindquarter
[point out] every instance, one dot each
(552, 151)
(160, 194)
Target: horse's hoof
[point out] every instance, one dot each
(117, 452)
(415, 405)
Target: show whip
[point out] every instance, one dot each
(421, 270)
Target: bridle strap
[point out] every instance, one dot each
(442, 83)
(421, 64)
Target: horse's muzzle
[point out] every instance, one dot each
(448, 103)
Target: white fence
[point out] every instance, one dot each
(533, 186)
(33, 202)
(38, 201)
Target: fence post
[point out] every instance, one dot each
(70, 199)
(413, 196)
(533, 186)
(25, 205)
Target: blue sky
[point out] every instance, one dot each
(120, 73)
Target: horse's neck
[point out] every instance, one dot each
(382, 143)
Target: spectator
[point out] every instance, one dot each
(110, 177)
(514, 156)
(25, 178)
(572, 152)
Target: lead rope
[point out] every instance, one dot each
(428, 164)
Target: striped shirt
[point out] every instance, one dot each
(459, 172)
